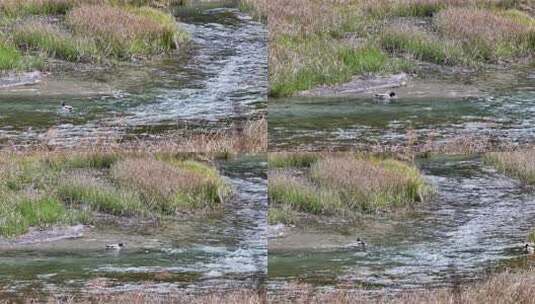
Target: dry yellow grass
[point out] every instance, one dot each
(503, 288)
(230, 297)
(517, 164)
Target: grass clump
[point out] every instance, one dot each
(517, 164)
(322, 61)
(67, 188)
(172, 186)
(126, 32)
(487, 35)
(282, 215)
(42, 211)
(420, 45)
(15, 8)
(10, 57)
(369, 184)
(344, 185)
(49, 39)
(86, 190)
(299, 194)
(283, 159)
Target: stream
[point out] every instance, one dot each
(220, 79)
(500, 107)
(477, 221)
(223, 251)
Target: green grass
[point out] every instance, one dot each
(51, 41)
(126, 32)
(421, 46)
(10, 57)
(18, 8)
(326, 62)
(282, 215)
(300, 195)
(531, 237)
(42, 212)
(283, 160)
(83, 161)
(100, 198)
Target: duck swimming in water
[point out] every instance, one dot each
(529, 249)
(65, 107)
(386, 96)
(358, 244)
(117, 246)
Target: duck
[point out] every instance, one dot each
(386, 96)
(358, 244)
(65, 107)
(117, 246)
(529, 248)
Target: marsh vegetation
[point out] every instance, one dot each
(39, 190)
(340, 184)
(84, 31)
(327, 42)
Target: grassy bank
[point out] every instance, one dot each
(340, 184)
(39, 190)
(517, 164)
(502, 288)
(327, 42)
(84, 31)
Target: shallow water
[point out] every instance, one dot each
(501, 108)
(220, 79)
(478, 220)
(220, 251)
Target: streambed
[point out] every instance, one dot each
(221, 78)
(222, 251)
(477, 221)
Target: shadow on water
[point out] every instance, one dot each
(478, 220)
(221, 251)
(502, 109)
(220, 78)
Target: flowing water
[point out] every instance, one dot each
(478, 220)
(219, 79)
(501, 108)
(217, 252)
